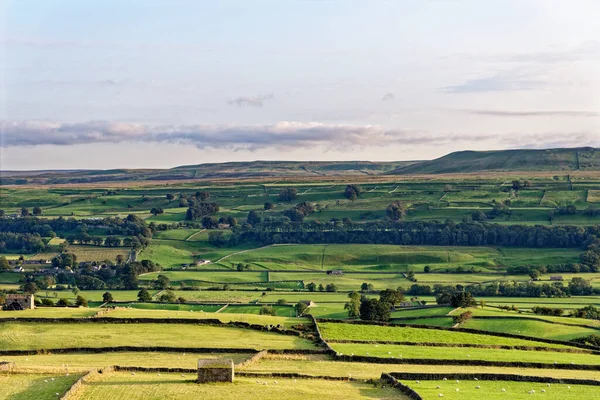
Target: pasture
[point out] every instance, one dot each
(149, 386)
(31, 336)
(494, 390)
(23, 386)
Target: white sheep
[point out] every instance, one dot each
(477, 387)
(457, 389)
(440, 395)
(503, 390)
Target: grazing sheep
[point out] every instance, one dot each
(440, 395)
(503, 390)
(417, 382)
(445, 379)
(437, 387)
(133, 373)
(457, 389)
(477, 387)
(543, 390)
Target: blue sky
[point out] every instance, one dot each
(164, 83)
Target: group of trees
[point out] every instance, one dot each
(396, 210)
(299, 211)
(331, 287)
(448, 233)
(576, 287)
(201, 210)
(352, 192)
(288, 194)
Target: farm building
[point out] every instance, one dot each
(309, 303)
(215, 370)
(335, 272)
(19, 302)
(18, 269)
(556, 278)
(202, 262)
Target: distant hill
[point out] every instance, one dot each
(575, 159)
(252, 169)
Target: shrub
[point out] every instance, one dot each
(267, 310)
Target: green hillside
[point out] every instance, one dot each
(575, 159)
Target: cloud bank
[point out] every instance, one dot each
(286, 135)
(251, 101)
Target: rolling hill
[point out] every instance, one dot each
(573, 159)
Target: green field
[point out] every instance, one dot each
(418, 335)
(493, 390)
(26, 336)
(23, 386)
(399, 352)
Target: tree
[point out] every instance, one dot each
(288, 194)
(181, 300)
(30, 288)
(81, 301)
(1, 213)
(301, 308)
(119, 259)
(253, 218)
(170, 197)
(4, 265)
(107, 297)
(156, 210)
(144, 295)
(209, 222)
(267, 310)
(332, 287)
(162, 282)
(24, 211)
(269, 206)
(463, 299)
(391, 296)
(427, 269)
(321, 287)
(202, 196)
(374, 310)
(353, 306)
(167, 297)
(281, 302)
(366, 287)
(217, 238)
(37, 210)
(396, 210)
(462, 318)
(63, 303)
(352, 192)
(311, 287)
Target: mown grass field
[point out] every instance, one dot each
(80, 363)
(493, 390)
(538, 329)
(27, 336)
(147, 386)
(418, 335)
(399, 352)
(35, 386)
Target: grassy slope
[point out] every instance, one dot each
(34, 387)
(17, 335)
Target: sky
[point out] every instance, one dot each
(103, 84)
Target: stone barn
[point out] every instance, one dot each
(19, 302)
(215, 370)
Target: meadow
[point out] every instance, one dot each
(146, 386)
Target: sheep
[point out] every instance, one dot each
(445, 379)
(503, 390)
(457, 389)
(417, 382)
(437, 387)
(440, 395)
(543, 390)
(476, 379)
(133, 373)
(477, 387)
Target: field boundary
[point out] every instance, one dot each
(154, 349)
(77, 387)
(404, 389)
(491, 377)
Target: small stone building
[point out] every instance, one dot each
(19, 302)
(215, 370)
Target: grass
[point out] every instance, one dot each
(47, 363)
(539, 329)
(282, 311)
(419, 335)
(171, 307)
(223, 317)
(146, 386)
(492, 390)
(422, 312)
(24, 336)
(49, 312)
(34, 386)
(457, 353)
